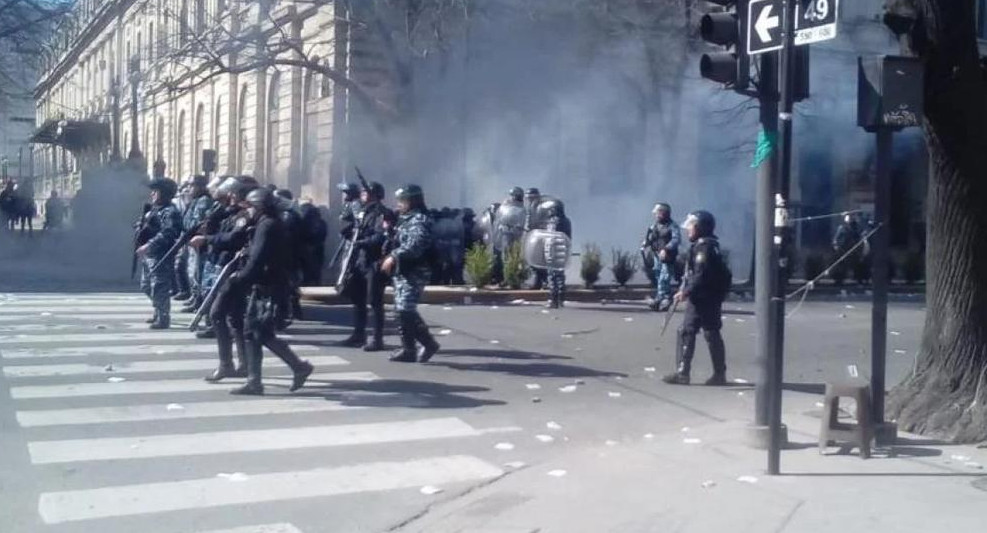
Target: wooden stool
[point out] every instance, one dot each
(860, 434)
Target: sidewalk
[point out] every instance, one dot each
(705, 479)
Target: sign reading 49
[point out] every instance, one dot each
(815, 21)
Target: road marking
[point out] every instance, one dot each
(265, 528)
(192, 444)
(63, 296)
(76, 390)
(129, 500)
(21, 309)
(136, 367)
(161, 411)
(108, 336)
(143, 350)
(35, 317)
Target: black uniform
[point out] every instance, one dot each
(313, 245)
(705, 284)
(229, 306)
(556, 277)
(367, 283)
(264, 277)
(293, 226)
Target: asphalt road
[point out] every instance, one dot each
(105, 426)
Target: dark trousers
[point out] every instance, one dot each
(368, 289)
(260, 331)
(226, 315)
(705, 316)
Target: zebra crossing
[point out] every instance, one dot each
(127, 404)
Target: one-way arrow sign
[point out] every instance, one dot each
(764, 21)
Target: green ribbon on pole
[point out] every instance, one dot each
(766, 143)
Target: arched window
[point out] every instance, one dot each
(150, 43)
(200, 16)
(310, 110)
(241, 132)
(217, 136)
(159, 140)
(180, 146)
(199, 139)
(273, 125)
(183, 23)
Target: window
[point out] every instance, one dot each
(183, 23)
(241, 137)
(273, 129)
(199, 139)
(217, 137)
(200, 16)
(180, 155)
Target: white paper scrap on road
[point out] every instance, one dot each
(747, 479)
(235, 476)
(130, 500)
(557, 473)
(708, 484)
(429, 490)
(142, 350)
(545, 438)
(137, 367)
(553, 425)
(613, 394)
(532, 386)
(504, 446)
(174, 411)
(221, 442)
(515, 464)
(494, 341)
(649, 436)
(692, 440)
(74, 390)
(445, 332)
(567, 388)
(852, 371)
(115, 379)
(261, 528)
(650, 369)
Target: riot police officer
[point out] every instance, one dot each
(201, 203)
(367, 283)
(409, 263)
(264, 278)
(160, 230)
(704, 287)
(293, 225)
(662, 241)
(557, 221)
(227, 235)
(351, 206)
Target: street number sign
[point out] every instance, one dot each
(815, 21)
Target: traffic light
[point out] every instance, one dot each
(726, 27)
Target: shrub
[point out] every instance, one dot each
(592, 265)
(624, 266)
(479, 265)
(516, 272)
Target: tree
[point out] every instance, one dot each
(24, 26)
(946, 392)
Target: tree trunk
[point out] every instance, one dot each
(946, 392)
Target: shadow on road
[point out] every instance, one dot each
(547, 370)
(397, 393)
(502, 354)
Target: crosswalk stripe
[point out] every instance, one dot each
(264, 528)
(136, 367)
(107, 336)
(185, 444)
(238, 407)
(111, 327)
(84, 317)
(76, 390)
(76, 308)
(142, 350)
(63, 296)
(129, 500)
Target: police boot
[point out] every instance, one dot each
(153, 319)
(296, 307)
(376, 343)
(225, 369)
(241, 356)
(253, 387)
(424, 336)
(406, 327)
(683, 359)
(161, 321)
(182, 296)
(718, 353)
(359, 335)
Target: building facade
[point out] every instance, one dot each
(237, 77)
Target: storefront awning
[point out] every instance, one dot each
(73, 135)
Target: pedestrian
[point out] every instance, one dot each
(367, 282)
(54, 212)
(556, 220)
(408, 263)
(160, 230)
(662, 241)
(227, 236)
(264, 277)
(704, 287)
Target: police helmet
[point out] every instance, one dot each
(166, 187)
(200, 181)
(261, 198)
(704, 222)
(374, 189)
(661, 206)
(532, 192)
(216, 183)
(516, 193)
(408, 192)
(285, 194)
(349, 188)
(244, 189)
